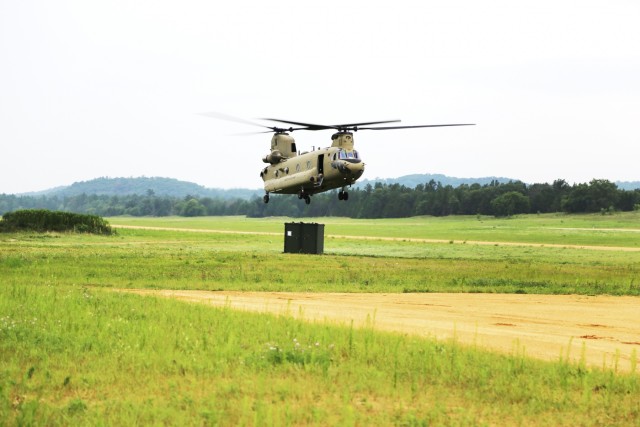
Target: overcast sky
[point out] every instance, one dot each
(114, 88)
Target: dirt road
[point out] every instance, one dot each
(604, 330)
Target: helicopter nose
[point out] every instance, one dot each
(355, 169)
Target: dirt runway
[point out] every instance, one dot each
(602, 330)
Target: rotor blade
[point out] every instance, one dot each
(307, 126)
(412, 127)
(271, 130)
(365, 124)
(229, 118)
(259, 132)
(314, 127)
(311, 126)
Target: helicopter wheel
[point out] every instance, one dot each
(266, 198)
(340, 195)
(345, 196)
(307, 199)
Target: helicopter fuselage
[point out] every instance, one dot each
(308, 173)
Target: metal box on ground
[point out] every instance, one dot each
(303, 238)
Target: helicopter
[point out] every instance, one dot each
(290, 171)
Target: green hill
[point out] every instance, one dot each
(628, 185)
(145, 185)
(175, 188)
(412, 181)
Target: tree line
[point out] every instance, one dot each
(372, 201)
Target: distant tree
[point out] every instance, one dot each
(510, 203)
(627, 200)
(577, 200)
(541, 197)
(603, 194)
(371, 201)
(596, 196)
(193, 207)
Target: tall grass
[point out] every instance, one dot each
(72, 355)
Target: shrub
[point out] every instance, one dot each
(41, 220)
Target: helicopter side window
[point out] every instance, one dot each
(350, 155)
(355, 154)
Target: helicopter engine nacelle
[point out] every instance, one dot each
(273, 158)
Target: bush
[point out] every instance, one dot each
(41, 220)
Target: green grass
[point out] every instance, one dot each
(73, 355)
(232, 261)
(621, 229)
(72, 352)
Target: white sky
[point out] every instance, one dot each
(114, 88)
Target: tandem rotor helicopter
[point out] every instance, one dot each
(290, 171)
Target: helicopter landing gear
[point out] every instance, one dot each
(305, 196)
(266, 198)
(343, 195)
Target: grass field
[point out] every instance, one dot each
(232, 261)
(622, 229)
(75, 353)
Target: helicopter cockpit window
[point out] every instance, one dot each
(346, 155)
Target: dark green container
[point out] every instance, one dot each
(303, 238)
